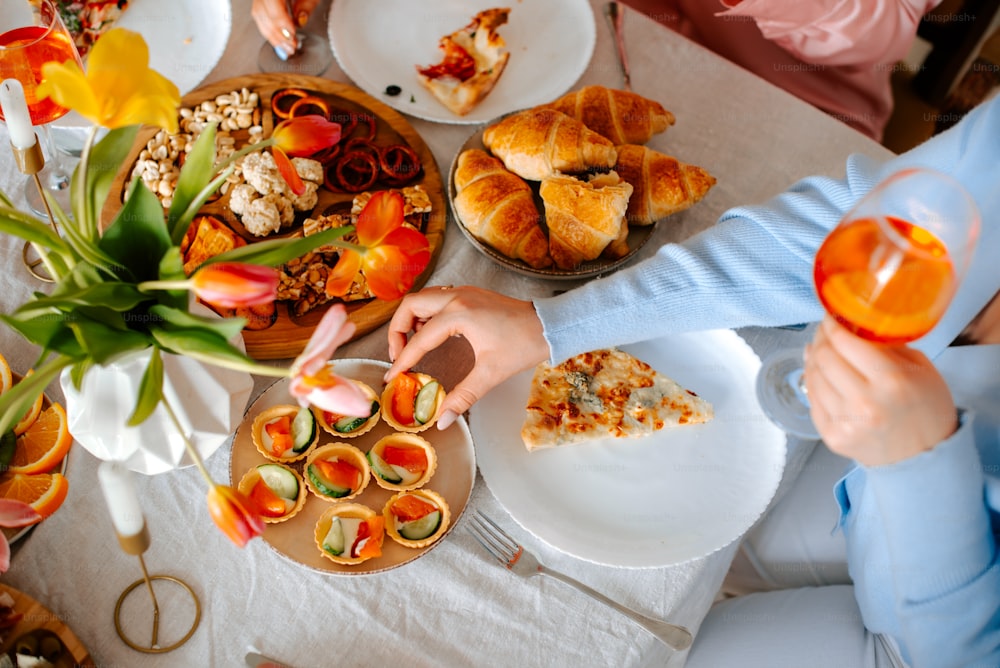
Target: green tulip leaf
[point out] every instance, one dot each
(198, 169)
(227, 328)
(137, 237)
(106, 156)
(103, 343)
(150, 390)
(275, 252)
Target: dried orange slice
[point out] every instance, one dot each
(43, 444)
(6, 378)
(44, 492)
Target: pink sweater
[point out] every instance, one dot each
(835, 54)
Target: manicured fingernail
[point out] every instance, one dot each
(446, 420)
(280, 52)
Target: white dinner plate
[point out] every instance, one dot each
(676, 495)
(186, 38)
(380, 44)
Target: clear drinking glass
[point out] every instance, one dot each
(887, 273)
(32, 34)
(311, 58)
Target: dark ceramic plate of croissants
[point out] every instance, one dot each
(568, 190)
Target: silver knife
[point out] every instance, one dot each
(617, 17)
(255, 660)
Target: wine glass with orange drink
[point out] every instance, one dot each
(886, 272)
(32, 34)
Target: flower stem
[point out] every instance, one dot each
(188, 445)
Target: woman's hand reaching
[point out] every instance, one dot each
(505, 334)
(877, 404)
(277, 21)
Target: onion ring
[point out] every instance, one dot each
(279, 95)
(399, 163)
(355, 171)
(309, 105)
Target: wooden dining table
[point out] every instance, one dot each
(454, 606)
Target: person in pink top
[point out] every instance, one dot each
(837, 55)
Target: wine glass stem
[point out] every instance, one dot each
(56, 174)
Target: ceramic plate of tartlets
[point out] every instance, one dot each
(445, 484)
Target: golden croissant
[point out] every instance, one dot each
(663, 185)
(620, 115)
(583, 217)
(537, 143)
(498, 208)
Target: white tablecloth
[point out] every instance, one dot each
(454, 607)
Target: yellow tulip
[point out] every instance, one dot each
(118, 88)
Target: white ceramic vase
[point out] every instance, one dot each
(209, 402)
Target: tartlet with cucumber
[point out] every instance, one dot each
(277, 490)
(350, 426)
(336, 472)
(416, 518)
(402, 461)
(350, 533)
(411, 400)
(285, 433)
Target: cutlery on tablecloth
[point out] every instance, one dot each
(256, 660)
(616, 17)
(521, 562)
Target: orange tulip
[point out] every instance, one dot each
(392, 255)
(300, 136)
(234, 284)
(235, 514)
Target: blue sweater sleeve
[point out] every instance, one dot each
(945, 576)
(754, 267)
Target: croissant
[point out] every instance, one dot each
(540, 142)
(663, 185)
(621, 116)
(583, 217)
(498, 208)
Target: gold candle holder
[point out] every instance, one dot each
(137, 545)
(30, 161)
(133, 537)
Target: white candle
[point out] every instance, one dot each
(15, 112)
(122, 498)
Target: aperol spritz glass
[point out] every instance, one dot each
(887, 273)
(32, 34)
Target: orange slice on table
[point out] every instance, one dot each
(43, 444)
(6, 378)
(44, 492)
(30, 416)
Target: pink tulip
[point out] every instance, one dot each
(13, 515)
(313, 380)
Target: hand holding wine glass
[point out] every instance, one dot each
(886, 273)
(288, 47)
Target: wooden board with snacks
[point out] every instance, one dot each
(248, 108)
(32, 622)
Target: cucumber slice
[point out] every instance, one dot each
(425, 405)
(324, 486)
(303, 429)
(334, 541)
(281, 481)
(422, 528)
(383, 470)
(348, 424)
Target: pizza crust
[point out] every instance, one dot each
(605, 393)
(475, 57)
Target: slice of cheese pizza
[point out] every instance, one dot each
(605, 393)
(88, 20)
(474, 59)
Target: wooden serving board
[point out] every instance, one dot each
(36, 617)
(289, 333)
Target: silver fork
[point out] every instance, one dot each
(509, 553)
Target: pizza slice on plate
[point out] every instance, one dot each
(89, 19)
(474, 59)
(605, 393)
